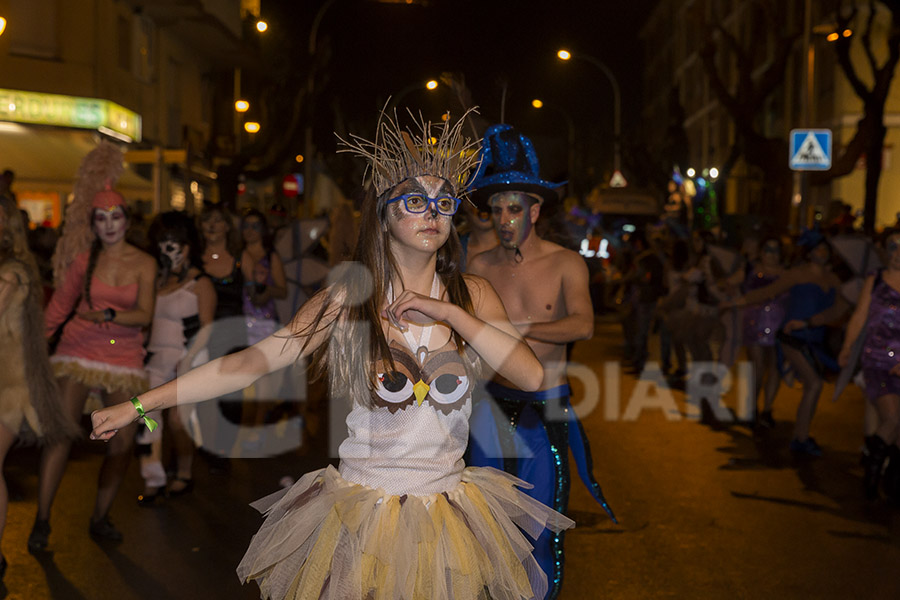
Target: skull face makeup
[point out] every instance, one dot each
(515, 214)
(173, 255)
(110, 224)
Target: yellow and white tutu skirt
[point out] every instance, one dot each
(328, 538)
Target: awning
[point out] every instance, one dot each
(46, 159)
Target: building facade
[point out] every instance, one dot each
(677, 85)
(144, 73)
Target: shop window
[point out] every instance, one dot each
(33, 28)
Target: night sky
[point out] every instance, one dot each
(376, 50)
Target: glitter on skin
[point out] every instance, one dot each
(419, 227)
(513, 218)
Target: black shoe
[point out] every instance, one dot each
(104, 530)
(765, 420)
(148, 500)
(878, 451)
(891, 479)
(187, 489)
(809, 447)
(40, 535)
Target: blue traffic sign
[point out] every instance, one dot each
(810, 149)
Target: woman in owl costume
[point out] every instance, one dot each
(403, 333)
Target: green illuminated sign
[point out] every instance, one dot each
(69, 111)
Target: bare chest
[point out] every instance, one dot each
(529, 292)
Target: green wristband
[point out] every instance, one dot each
(150, 423)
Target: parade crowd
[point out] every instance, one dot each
(113, 306)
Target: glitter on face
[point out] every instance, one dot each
(512, 217)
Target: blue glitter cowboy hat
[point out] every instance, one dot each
(508, 163)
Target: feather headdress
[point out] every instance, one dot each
(100, 170)
(439, 150)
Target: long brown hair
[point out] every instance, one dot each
(352, 305)
(42, 388)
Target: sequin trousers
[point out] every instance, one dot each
(529, 435)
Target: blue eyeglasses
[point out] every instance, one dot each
(418, 203)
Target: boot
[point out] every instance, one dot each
(891, 482)
(878, 451)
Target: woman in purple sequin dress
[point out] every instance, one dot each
(877, 316)
(761, 323)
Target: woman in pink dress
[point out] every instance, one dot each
(104, 300)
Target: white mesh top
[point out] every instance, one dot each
(412, 440)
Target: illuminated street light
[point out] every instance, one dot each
(251, 127)
(431, 85)
(2, 25)
(691, 172)
(242, 106)
(847, 33)
(713, 173)
(537, 103)
(833, 36)
(564, 54)
(261, 26)
(299, 158)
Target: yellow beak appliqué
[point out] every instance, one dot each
(421, 390)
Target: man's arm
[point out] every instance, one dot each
(578, 324)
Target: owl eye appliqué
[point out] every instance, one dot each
(448, 388)
(394, 387)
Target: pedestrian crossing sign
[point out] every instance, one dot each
(810, 149)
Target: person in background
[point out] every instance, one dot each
(28, 391)
(544, 288)
(221, 255)
(813, 302)
(877, 317)
(264, 282)
(111, 289)
(182, 319)
(761, 323)
(647, 282)
(480, 234)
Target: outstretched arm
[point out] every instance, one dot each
(774, 289)
(226, 374)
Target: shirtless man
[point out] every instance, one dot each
(544, 288)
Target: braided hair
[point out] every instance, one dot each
(96, 247)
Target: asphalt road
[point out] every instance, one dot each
(704, 512)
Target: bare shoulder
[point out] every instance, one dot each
(561, 257)
(140, 261)
(485, 260)
(476, 285)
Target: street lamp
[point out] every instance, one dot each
(241, 106)
(395, 100)
(251, 127)
(262, 26)
(2, 25)
(564, 54)
(570, 136)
